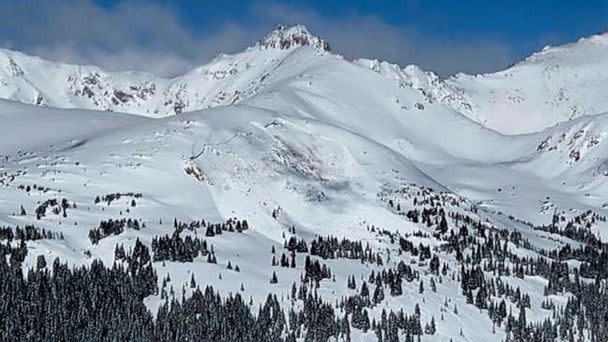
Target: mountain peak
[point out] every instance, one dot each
(284, 37)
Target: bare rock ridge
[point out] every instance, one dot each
(283, 37)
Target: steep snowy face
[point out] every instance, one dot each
(428, 83)
(575, 151)
(555, 85)
(224, 81)
(33, 80)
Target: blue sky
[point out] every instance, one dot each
(170, 37)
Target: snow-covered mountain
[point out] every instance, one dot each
(554, 85)
(420, 217)
(224, 81)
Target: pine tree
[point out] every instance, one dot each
(274, 279)
(378, 293)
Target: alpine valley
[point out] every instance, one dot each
(285, 193)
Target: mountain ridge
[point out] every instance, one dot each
(502, 101)
(26, 79)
